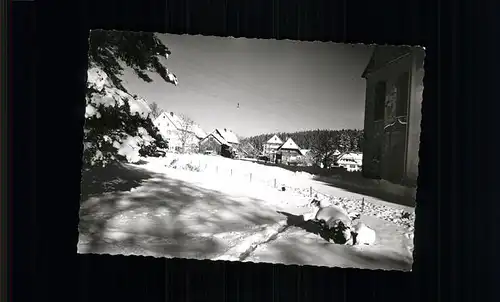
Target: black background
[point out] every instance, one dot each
(457, 215)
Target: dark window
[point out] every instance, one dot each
(380, 91)
(403, 94)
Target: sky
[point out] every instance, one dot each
(280, 85)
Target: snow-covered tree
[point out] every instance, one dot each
(118, 125)
(142, 51)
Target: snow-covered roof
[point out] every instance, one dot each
(178, 124)
(198, 131)
(304, 151)
(217, 136)
(289, 145)
(275, 140)
(167, 115)
(228, 135)
(352, 156)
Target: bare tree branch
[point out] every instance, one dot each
(185, 133)
(155, 110)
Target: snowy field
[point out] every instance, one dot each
(209, 207)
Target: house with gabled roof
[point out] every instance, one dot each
(289, 152)
(352, 161)
(221, 141)
(179, 133)
(229, 136)
(271, 146)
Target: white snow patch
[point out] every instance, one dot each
(115, 235)
(129, 149)
(140, 107)
(91, 111)
(97, 78)
(251, 241)
(87, 145)
(304, 175)
(123, 203)
(111, 96)
(364, 234)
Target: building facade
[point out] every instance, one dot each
(394, 87)
(288, 153)
(212, 144)
(220, 141)
(181, 135)
(351, 161)
(270, 148)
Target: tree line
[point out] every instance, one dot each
(321, 143)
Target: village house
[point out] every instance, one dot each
(182, 135)
(270, 148)
(220, 141)
(288, 152)
(394, 86)
(351, 161)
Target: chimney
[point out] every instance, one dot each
(171, 113)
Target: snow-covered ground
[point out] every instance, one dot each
(209, 207)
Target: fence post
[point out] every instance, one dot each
(231, 172)
(250, 177)
(310, 191)
(363, 205)
(275, 183)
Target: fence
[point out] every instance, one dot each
(280, 182)
(289, 182)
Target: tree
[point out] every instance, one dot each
(107, 127)
(142, 51)
(185, 132)
(155, 110)
(325, 143)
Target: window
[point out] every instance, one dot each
(403, 94)
(380, 92)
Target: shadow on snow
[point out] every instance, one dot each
(162, 217)
(307, 225)
(300, 250)
(359, 185)
(353, 182)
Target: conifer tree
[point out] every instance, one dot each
(109, 126)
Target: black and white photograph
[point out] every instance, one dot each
(252, 150)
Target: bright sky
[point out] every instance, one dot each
(280, 85)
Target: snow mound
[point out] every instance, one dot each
(364, 234)
(304, 175)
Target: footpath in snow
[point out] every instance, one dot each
(207, 207)
(181, 214)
